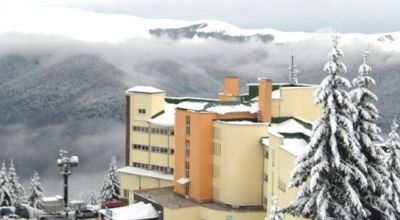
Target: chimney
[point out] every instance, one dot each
(265, 99)
(231, 89)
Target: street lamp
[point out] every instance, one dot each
(66, 163)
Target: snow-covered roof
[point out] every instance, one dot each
(195, 106)
(295, 146)
(52, 198)
(274, 132)
(276, 94)
(146, 173)
(136, 211)
(145, 89)
(265, 141)
(224, 109)
(241, 122)
(183, 181)
(291, 126)
(167, 118)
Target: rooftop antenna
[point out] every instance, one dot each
(293, 72)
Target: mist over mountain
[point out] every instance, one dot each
(57, 92)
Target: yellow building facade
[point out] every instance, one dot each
(231, 164)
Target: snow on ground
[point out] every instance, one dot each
(138, 210)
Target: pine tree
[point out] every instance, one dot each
(276, 213)
(111, 186)
(332, 169)
(16, 189)
(92, 200)
(6, 198)
(367, 135)
(35, 191)
(393, 165)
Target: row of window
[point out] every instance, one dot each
(140, 165)
(187, 169)
(140, 147)
(217, 149)
(216, 171)
(163, 150)
(187, 123)
(281, 185)
(153, 167)
(187, 148)
(153, 130)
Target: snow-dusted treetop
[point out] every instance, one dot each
(332, 169)
(393, 164)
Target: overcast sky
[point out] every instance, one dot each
(366, 16)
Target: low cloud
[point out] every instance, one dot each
(180, 67)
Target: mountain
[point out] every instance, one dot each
(114, 28)
(79, 87)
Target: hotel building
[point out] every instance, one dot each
(216, 159)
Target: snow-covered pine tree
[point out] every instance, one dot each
(367, 134)
(92, 200)
(111, 186)
(332, 169)
(35, 191)
(16, 189)
(6, 198)
(276, 213)
(393, 165)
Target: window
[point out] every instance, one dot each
(187, 169)
(159, 131)
(265, 177)
(266, 153)
(140, 165)
(140, 129)
(217, 133)
(187, 125)
(142, 111)
(216, 193)
(140, 147)
(163, 150)
(281, 185)
(159, 168)
(126, 193)
(172, 132)
(216, 171)
(273, 157)
(187, 148)
(217, 149)
(265, 201)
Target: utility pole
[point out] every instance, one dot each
(293, 72)
(66, 163)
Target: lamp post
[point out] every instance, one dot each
(66, 163)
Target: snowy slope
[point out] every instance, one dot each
(97, 27)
